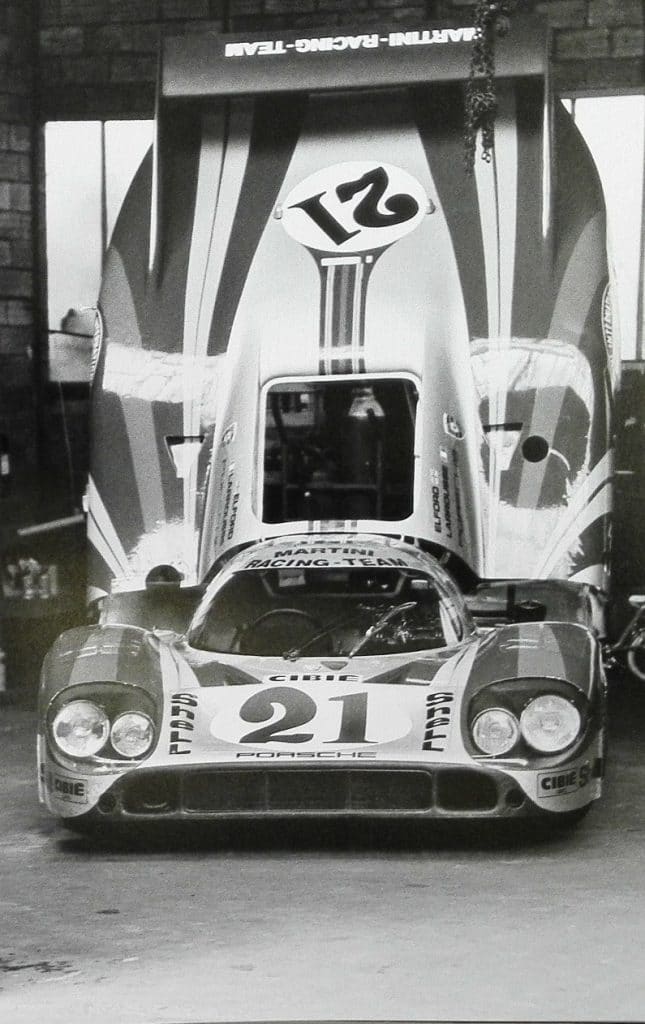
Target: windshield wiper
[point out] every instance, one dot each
(379, 624)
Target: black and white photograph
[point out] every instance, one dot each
(322, 554)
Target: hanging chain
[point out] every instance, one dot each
(492, 18)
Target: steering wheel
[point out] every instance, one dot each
(276, 631)
(377, 629)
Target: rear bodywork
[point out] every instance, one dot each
(288, 241)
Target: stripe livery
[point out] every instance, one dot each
(310, 237)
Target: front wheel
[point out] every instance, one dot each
(636, 656)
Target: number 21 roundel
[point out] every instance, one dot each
(289, 717)
(354, 207)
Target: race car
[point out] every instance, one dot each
(327, 676)
(352, 421)
(312, 319)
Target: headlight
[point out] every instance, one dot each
(80, 729)
(550, 723)
(495, 731)
(132, 734)
(107, 720)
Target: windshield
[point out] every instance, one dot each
(326, 612)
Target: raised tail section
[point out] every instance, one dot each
(333, 327)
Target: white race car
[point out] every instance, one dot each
(315, 327)
(324, 676)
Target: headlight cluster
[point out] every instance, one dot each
(548, 723)
(82, 728)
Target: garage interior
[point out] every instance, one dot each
(354, 923)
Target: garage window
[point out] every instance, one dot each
(88, 168)
(614, 129)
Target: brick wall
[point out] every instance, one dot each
(17, 307)
(597, 45)
(98, 57)
(62, 59)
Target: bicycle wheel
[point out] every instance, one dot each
(636, 655)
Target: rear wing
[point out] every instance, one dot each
(225, 67)
(194, 67)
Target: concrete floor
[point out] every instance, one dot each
(325, 925)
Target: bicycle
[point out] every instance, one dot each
(631, 641)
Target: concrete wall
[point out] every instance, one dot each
(66, 59)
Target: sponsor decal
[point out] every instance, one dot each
(229, 434)
(338, 43)
(307, 755)
(452, 427)
(285, 716)
(438, 714)
(354, 207)
(323, 550)
(314, 677)
(564, 781)
(332, 557)
(608, 320)
(182, 722)
(73, 791)
(234, 507)
(324, 563)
